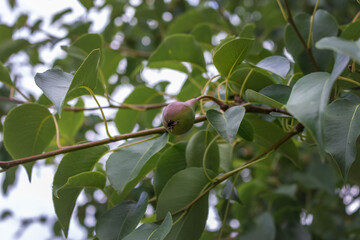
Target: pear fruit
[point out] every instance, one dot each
(179, 117)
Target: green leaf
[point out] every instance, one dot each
(256, 97)
(181, 189)
(267, 134)
(226, 156)
(72, 164)
(89, 42)
(5, 76)
(195, 151)
(203, 34)
(310, 96)
(28, 130)
(129, 165)
(9, 47)
(256, 81)
(246, 130)
(82, 180)
(342, 128)
(59, 15)
(70, 122)
(122, 219)
(352, 31)
(324, 25)
(176, 49)
(275, 64)
(277, 92)
(57, 85)
(126, 119)
(149, 231)
(264, 229)
(170, 162)
(230, 55)
(226, 124)
(343, 46)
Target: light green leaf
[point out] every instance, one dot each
(310, 96)
(230, 55)
(5, 76)
(82, 180)
(70, 122)
(55, 84)
(127, 166)
(275, 64)
(226, 124)
(175, 49)
(28, 130)
(71, 165)
(126, 119)
(346, 47)
(170, 162)
(149, 231)
(342, 128)
(122, 219)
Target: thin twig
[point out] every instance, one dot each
(292, 23)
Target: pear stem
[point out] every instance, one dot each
(223, 106)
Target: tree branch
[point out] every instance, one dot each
(292, 23)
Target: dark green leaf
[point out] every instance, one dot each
(342, 128)
(277, 92)
(60, 14)
(126, 119)
(265, 229)
(226, 124)
(71, 165)
(127, 166)
(176, 49)
(170, 162)
(5, 76)
(256, 97)
(352, 31)
(149, 231)
(195, 151)
(10, 47)
(230, 55)
(121, 220)
(246, 130)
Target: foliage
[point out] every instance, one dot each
(277, 156)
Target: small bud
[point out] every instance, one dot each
(179, 117)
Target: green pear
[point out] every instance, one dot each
(179, 117)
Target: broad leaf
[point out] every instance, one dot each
(181, 189)
(149, 231)
(28, 130)
(170, 162)
(310, 96)
(82, 180)
(195, 151)
(9, 47)
(121, 220)
(71, 165)
(343, 46)
(126, 119)
(275, 64)
(267, 134)
(256, 97)
(57, 84)
(230, 55)
(226, 124)
(352, 31)
(127, 166)
(246, 130)
(342, 122)
(277, 92)
(5, 75)
(176, 49)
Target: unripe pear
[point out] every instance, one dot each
(179, 117)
